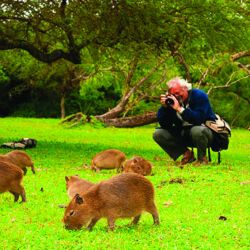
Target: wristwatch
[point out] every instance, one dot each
(181, 110)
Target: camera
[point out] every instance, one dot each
(169, 102)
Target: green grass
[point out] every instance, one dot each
(190, 222)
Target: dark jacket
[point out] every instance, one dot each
(197, 111)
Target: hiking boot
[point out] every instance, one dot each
(188, 157)
(203, 161)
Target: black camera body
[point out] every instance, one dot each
(169, 102)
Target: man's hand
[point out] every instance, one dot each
(163, 99)
(176, 106)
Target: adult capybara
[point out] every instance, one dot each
(10, 180)
(108, 159)
(20, 159)
(123, 196)
(76, 185)
(137, 165)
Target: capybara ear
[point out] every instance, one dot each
(79, 199)
(135, 160)
(66, 178)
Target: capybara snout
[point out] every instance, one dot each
(123, 196)
(108, 159)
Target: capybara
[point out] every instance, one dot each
(10, 180)
(76, 185)
(20, 159)
(123, 196)
(137, 165)
(108, 159)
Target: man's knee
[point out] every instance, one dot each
(201, 133)
(197, 132)
(158, 135)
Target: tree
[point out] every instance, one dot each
(190, 33)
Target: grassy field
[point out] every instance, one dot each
(189, 212)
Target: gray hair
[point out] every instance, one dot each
(179, 81)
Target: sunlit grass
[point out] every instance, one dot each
(191, 221)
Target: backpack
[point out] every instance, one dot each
(221, 133)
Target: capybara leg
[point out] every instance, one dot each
(153, 210)
(18, 189)
(16, 196)
(156, 219)
(94, 168)
(92, 223)
(24, 170)
(23, 195)
(111, 223)
(136, 219)
(33, 169)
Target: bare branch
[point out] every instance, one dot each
(120, 107)
(130, 122)
(132, 70)
(204, 74)
(227, 84)
(240, 54)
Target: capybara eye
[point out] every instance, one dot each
(71, 212)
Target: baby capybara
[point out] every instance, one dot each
(76, 185)
(137, 165)
(20, 159)
(108, 159)
(123, 196)
(10, 180)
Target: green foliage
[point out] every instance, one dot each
(3, 77)
(99, 93)
(104, 39)
(189, 212)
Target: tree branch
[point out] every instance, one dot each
(241, 54)
(204, 74)
(130, 122)
(227, 84)
(120, 107)
(72, 56)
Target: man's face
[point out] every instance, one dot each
(179, 92)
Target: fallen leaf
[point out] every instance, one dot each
(245, 182)
(168, 203)
(176, 180)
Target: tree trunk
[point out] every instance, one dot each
(62, 105)
(130, 122)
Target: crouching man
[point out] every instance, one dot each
(183, 112)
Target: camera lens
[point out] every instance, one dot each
(169, 102)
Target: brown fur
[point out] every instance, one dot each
(76, 185)
(10, 180)
(123, 196)
(20, 159)
(138, 165)
(108, 159)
